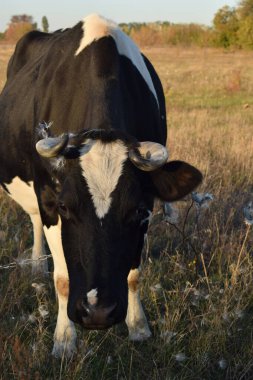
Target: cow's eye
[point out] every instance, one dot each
(141, 212)
(63, 210)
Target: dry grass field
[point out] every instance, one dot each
(197, 283)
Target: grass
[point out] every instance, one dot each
(197, 282)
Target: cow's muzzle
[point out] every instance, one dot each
(96, 317)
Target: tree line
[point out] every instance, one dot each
(21, 24)
(232, 28)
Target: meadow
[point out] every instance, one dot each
(197, 279)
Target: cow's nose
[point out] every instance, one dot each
(97, 317)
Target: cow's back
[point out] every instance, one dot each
(98, 87)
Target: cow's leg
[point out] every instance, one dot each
(38, 266)
(136, 320)
(65, 333)
(23, 193)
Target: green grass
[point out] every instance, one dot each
(201, 315)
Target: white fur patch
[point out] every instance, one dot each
(95, 27)
(54, 240)
(102, 167)
(23, 193)
(92, 297)
(65, 334)
(136, 320)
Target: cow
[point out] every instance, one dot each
(83, 151)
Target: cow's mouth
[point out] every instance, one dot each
(97, 327)
(98, 317)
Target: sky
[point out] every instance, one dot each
(66, 13)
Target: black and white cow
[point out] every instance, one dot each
(83, 134)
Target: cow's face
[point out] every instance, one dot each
(107, 186)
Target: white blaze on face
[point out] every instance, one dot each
(95, 27)
(102, 167)
(92, 297)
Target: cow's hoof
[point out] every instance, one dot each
(64, 349)
(140, 333)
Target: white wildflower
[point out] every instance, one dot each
(31, 318)
(21, 262)
(240, 314)
(39, 287)
(109, 359)
(180, 357)
(248, 214)
(171, 214)
(202, 200)
(168, 335)
(23, 318)
(195, 302)
(197, 294)
(222, 363)
(156, 288)
(34, 348)
(43, 311)
(226, 317)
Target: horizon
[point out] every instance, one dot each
(127, 11)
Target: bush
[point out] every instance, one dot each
(16, 30)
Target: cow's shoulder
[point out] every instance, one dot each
(28, 49)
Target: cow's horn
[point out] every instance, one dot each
(149, 156)
(52, 146)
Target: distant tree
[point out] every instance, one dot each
(145, 35)
(226, 25)
(245, 32)
(22, 18)
(18, 26)
(245, 8)
(45, 24)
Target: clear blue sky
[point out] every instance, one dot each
(65, 13)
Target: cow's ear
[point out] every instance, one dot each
(174, 180)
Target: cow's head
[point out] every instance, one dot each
(108, 182)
